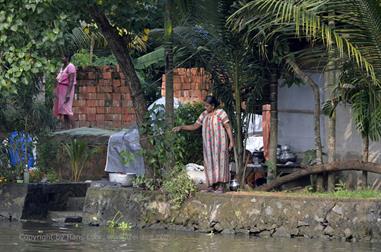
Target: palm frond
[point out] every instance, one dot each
(259, 16)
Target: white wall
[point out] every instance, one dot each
(296, 123)
(296, 126)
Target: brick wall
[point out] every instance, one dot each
(102, 98)
(189, 84)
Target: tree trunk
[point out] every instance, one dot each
(365, 158)
(91, 52)
(238, 118)
(315, 89)
(168, 45)
(331, 81)
(316, 169)
(119, 48)
(272, 169)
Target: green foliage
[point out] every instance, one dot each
(52, 176)
(22, 111)
(31, 33)
(342, 193)
(144, 183)
(187, 114)
(117, 223)
(79, 153)
(47, 153)
(178, 185)
(82, 58)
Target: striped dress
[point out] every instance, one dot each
(215, 145)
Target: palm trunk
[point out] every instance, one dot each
(365, 158)
(272, 169)
(91, 52)
(316, 92)
(331, 81)
(238, 118)
(168, 37)
(119, 48)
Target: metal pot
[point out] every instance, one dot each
(286, 155)
(123, 179)
(233, 185)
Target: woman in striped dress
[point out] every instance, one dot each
(217, 141)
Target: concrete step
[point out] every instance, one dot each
(75, 203)
(65, 216)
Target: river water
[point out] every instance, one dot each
(46, 237)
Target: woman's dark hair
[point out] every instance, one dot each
(68, 55)
(212, 101)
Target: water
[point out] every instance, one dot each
(45, 237)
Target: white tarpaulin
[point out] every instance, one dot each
(125, 142)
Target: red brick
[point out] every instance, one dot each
(116, 103)
(116, 97)
(109, 124)
(83, 89)
(101, 96)
(116, 83)
(100, 124)
(104, 89)
(84, 124)
(92, 96)
(100, 117)
(117, 124)
(125, 89)
(91, 117)
(108, 117)
(92, 89)
(100, 110)
(108, 110)
(106, 68)
(91, 110)
(91, 76)
(104, 82)
(107, 75)
(117, 89)
(100, 103)
(126, 104)
(82, 109)
(79, 103)
(75, 116)
(91, 103)
(117, 110)
(82, 117)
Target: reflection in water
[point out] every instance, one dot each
(45, 237)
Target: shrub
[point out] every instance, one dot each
(188, 114)
(178, 185)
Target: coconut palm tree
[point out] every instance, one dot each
(276, 22)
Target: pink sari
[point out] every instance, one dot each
(60, 107)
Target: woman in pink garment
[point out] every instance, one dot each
(64, 92)
(217, 138)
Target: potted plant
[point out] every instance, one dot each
(79, 153)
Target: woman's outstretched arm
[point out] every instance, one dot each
(191, 127)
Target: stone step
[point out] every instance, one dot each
(65, 216)
(75, 203)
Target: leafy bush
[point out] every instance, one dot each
(188, 114)
(178, 186)
(82, 58)
(79, 153)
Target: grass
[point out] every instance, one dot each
(346, 194)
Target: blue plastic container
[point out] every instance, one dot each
(18, 141)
